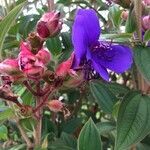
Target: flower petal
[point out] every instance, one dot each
(90, 23)
(119, 59)
(85, 32)
(79, 40)
(101, 70)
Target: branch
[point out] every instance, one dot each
(24, 135)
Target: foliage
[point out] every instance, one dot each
(61, 110)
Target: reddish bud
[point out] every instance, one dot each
(64, 68)
(124, 15)
(9, 67)
(146, 2)
(49, 25)
(55, 105)
(29, 63)
(146, 22)
(44, 56)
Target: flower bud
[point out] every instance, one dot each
(124, 15)
(44, 56)
(49, 25)
(36, 43)
(65, 67)
(9, 67)
(146, 2)
(74, 81)
(29, 63)
(146, 22)
(55, 105)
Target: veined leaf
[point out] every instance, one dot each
(142, 57)
(133, 122)
(89, 138)
(103, 96)
(7, 22)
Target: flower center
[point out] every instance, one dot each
(103, 51)
(89, 72)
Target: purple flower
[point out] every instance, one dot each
(93, 55)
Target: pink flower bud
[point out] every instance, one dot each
(55, 105)
(124, 15)
(74, 81)
(29, 63)
(49, 25)
(65, 67)
(146, 22)
(44, 56)
(146, 2)
(9, 67)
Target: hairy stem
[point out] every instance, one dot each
(24, 136)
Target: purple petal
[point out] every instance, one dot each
(79, 40)
(118, 59)
(101, 70)
(90, 23)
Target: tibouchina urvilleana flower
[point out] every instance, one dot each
(93, 55)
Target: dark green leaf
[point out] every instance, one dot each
(105, 127)
(89, 138)
(69, 140)
(71, 125)
(133, 122)
(142, 58)
(54, 45)
(103, 96)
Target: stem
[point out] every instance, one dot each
(24, 136)
(10, 98)
(51, 5)
(31, 90)
(39, 123)
(43, 101)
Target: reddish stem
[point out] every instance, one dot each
(43, 101)
(32, 91)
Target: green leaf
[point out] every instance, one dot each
(115, 36)
(131, 22)
(105, 127)
(71, 125)
(142, 57)
(54, 45)
(6, 114)
(3, 133)
(133, 122)
(7, 22)
(115, 15)
(69, 140)
(116, 88)
(147, 35)
(142, 146)
(89, 138)
(103, 96)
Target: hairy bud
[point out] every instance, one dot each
(55, 105)
(49, 25)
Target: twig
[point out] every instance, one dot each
(24, 135)
(31, 90)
